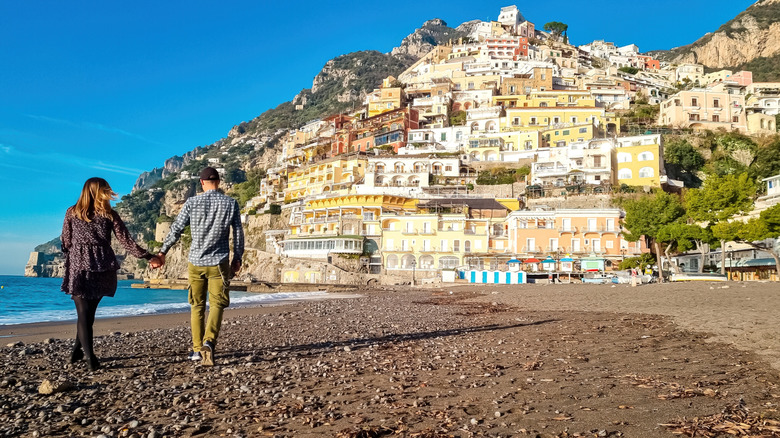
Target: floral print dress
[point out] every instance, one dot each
(90, 263)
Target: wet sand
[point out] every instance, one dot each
(530, 360)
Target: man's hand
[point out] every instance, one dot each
(155, 262)
(235, 266)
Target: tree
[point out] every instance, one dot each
(683, 161)
(630, 70)
(755, 232)
(719, 199)
(682, 237)
(647, 215)
(556, 28)
(767, 162)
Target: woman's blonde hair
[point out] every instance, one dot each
(95, 199)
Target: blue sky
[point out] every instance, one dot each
(112, 89)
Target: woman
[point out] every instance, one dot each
(90, 263)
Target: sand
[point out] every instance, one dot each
(530, 360)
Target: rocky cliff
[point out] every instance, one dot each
(432, 33)
(172, 166)
(754, 33)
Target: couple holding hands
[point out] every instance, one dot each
(91, 265)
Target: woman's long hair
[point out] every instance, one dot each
(95, 200)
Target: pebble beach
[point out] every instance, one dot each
(559, 360)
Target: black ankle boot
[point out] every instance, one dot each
(92, 363)
(76, 355)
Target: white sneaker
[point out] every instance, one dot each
(208, 354)
(194, 356)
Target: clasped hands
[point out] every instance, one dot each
(159, 260)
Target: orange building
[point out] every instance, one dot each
(575, 232)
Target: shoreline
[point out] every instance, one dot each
(33, 332)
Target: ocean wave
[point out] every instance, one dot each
(106, 310)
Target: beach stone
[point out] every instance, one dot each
(15, 344)
(49, 341)
(48, 387)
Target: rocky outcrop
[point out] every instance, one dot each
(172, 165)
(432, 33)
(752, 34)
(469, 28)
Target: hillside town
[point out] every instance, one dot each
(396, 180)
(494, 158)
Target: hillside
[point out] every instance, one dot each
(341, 85)
(750, 37)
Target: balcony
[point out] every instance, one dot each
(409, 232)
(572, 230)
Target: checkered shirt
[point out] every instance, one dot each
(210, 216)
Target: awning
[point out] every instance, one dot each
(548, 260)
(760, 262)
(532, 260)
(567, 259)
(514, 261)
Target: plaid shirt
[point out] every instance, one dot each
(210, 216)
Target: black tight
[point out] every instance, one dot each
(85, 308)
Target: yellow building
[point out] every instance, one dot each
(640, 160)
(550, 98)
(561, 137)
(444, 234)
(557, 117)
(386, 98)
(331, 175)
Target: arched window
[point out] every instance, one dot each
(467, 246)
(625, 174)
(624, 157)
(380, 167)
(392, 261)
(399, 167)
(645, 156)
(646, 172)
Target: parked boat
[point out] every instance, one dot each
(693, 276)
(597, 278)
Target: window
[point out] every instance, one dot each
(625, 174)
(694, 101)
(693, 117)
(566, 132)
(645, 156)
(715, 118)
(716, 103)
(583, 130)
(443, 136)
(623, 157)
(467, 246)
(646, 172)
(735, 119)
(574, 120)
(516, 121)
(597, 160)
(456, 246)
(542, 104)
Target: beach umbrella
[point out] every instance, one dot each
(549, 259)
(532, 260)
(513, 261)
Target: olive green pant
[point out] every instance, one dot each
(214, 282)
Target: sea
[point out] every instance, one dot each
(30, 299)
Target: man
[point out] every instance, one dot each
(210, 216)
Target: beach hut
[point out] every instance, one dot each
(592, 264)
(567, 264)
(533, 264)
(548, 264)
(514, 265)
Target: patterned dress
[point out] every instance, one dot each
(90, 263)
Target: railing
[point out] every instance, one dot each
(409, 232)
(567, 230)
(531, 249)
